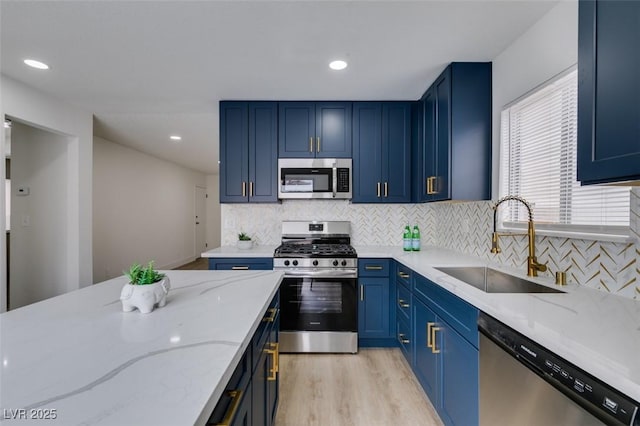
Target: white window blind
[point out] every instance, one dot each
(538, 162)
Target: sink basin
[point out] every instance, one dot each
(492, 281)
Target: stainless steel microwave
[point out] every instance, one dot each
(306, 178)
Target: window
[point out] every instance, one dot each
(538, 162)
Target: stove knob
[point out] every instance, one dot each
(344, 263)
(295, 263)
(315, 263)
(335, 263)
(286, 263)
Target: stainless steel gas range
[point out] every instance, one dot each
(318, 295)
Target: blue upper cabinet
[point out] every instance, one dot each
(314, 129)
(454, 148)
(381, 152)
(248, 152)
(608, 91)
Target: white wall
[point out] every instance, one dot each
(144, 209)
(213, 212)
(40, 110)
(39, 219)
(546, 49)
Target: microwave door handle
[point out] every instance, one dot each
(335, 180)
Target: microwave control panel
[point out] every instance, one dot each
(343, 179)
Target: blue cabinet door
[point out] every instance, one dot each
(333, 130)
(367, 152)
(441, 153)
(263, 152)
(234, 152)
(314, 129)
(373, 308)
(460, 378)
(455, 159)
(296, 129)
(426, 359)
(243, 415)
(608, 91)
(396, 152)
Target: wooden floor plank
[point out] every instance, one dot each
(374, 387)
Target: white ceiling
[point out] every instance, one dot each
(148, 69)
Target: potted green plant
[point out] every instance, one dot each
(244, 241)
(146, 288)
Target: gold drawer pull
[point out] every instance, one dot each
(403, 339)
(318, 144)
(239, 268)
(236, 397)
(403, 275)
(402, 303)
(386, 189)
(272, 317)
(310, 144)
(373, 267)
(273, 371)
(433, 340)
(378, 189)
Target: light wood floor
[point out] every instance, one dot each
(374, 387)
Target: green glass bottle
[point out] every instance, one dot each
(415, 239)
(406, 239)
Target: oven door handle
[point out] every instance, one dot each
(346, 273)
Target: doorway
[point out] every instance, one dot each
(200, 222)
(38, 215)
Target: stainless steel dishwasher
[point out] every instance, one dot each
(522, 383)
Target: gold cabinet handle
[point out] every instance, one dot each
(250, 188)
(429, 344)
(403, 339)
(402, 303)
(273, 312)
(244, 188)
(310, 144)
(430, 185)
(373, 267)
(318, 144)
(239, 268)
(433, 340)
(386, 189)
(403, 275)
(361, 292)
(236, 397)
(273, 371)
(378, 189)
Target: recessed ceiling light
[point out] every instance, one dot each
(175, 138)
(36, 64)
(337, 65)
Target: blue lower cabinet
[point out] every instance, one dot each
(426, 360)
(404, 338)
(240, 264)
(460, 384)
(445, 353)
(373, 308)
(251, 396)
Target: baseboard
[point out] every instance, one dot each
(173, 265)
(378, 343)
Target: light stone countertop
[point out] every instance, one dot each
(82, 356)
(597, 331)
(233, 251)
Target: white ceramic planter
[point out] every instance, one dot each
(244, 245)
(145, 297)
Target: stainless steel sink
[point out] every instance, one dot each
(492, 281)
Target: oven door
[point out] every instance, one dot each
(318, 304)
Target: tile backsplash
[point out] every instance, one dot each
(464, 227)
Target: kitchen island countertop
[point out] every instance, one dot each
(83, 359)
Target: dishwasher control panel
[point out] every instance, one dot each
(594, 395)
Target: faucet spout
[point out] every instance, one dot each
(533, 266)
